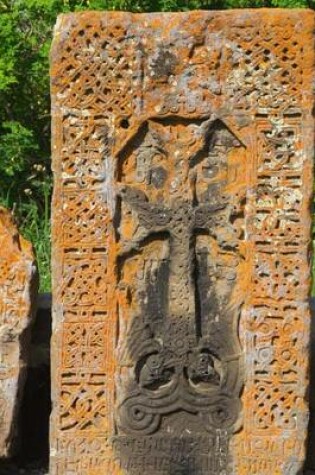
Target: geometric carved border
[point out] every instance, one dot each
(254, 73)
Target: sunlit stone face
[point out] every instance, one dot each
(18, 296)
(182, 157)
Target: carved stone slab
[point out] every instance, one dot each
(183, 148)
(17, 298)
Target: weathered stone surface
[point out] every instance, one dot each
(17, 296)
(183, 148)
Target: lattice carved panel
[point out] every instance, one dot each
(182, 158)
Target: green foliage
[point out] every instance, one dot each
(25, 32)
(25, 38)
(16, 142)
(35, 226)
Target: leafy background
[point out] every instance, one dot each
(25, 38)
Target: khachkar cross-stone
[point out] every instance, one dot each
(182, 151)
(182, 342)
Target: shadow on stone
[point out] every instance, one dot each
(310, 458)
(36, 404)
(33, 445)
(35, 410)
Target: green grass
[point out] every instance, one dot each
(36, 229)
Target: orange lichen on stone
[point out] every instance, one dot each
(17, 298)
(182, 153)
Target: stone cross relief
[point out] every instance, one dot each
(181, 342)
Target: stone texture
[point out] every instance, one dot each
(17, 295)
(183, 147)
(36, 404)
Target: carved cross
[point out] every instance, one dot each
(181, 223)
(179, 364)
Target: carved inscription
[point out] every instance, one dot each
(182, 159)
(178, 264)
